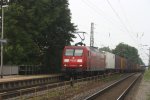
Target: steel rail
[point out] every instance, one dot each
(93, 96)
(122, 96)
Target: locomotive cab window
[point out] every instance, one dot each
(69, 52)
(78, 52)
(73, 52)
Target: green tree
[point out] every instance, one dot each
(128, 52)
(141, 61)
(105, 49)
(37, 31)
(20, 48)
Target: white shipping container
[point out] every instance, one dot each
(110, 60)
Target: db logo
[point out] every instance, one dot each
(73, 60)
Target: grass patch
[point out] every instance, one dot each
(148, 97)
(147, 75)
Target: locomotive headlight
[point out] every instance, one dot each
(79, 60)
(80, 65)
(66, 60)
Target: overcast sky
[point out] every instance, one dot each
(115, 21)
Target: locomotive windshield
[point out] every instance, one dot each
(69, 52)
(73, 52)
(78, 52)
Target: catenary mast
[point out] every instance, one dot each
(92, 35)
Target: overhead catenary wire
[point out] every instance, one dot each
(120, 19)
(101, 13)
(122, 24)
(117, 15)
(125, 16)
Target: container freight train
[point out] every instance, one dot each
(85, 60)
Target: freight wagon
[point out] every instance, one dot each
(110, 61)
(117, 63)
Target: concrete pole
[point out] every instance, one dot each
(2, 36)
(92, 35)
(149, 58)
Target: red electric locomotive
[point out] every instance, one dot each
(82, 59)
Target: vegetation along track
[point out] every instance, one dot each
(117, 90)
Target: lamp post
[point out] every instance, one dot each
(2, 37)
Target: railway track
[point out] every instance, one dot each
(15, 93)
(116, 90)
(30, 92)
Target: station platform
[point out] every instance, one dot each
(22, 81)
(25, 77)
